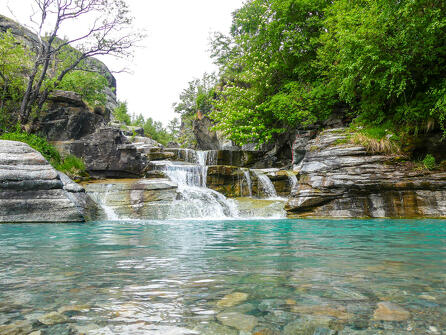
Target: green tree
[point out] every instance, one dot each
(121, 113)
(107, 31)
(268, 79)
(14, 61)
(90, 85)
(387, 59)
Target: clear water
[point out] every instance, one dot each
(169, 277)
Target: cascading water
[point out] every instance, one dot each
(101, 199)
(266, 184)
(292, 180)
(194, 199)
(248, 181)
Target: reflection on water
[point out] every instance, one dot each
(225, 277)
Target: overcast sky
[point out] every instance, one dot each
(174, 53)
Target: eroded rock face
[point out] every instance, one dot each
(31, 190)
(338, 179)
(68, 118)
(107, 153)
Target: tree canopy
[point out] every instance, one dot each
(290, 63)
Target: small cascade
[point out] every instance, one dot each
(248, 181)
(266, 184)
(101, 200)
(194, 199)
(292, 179)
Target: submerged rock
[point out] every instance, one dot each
(237, 320)
(388, 311)
(31, 190)
(53, 318)
(232, 299)
(16, 328)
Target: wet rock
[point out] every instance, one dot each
(388, 311)
(266, 332)
(16, 328)
(338, 313)
(74, 308)
(270, 304)
(134, 198)
(232, 299)
(53, 318)
(60, 329)
(237, 320)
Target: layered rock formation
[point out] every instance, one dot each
(31, 190)
(107, 153)
(133, 198)
(68, 118)
(338, 179)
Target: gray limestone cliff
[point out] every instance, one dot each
(31, 190)
(338, 179)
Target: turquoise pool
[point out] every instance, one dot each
(225, 277)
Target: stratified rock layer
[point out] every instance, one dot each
(31, 190)
(338, 179)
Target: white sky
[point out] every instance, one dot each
(175, 50)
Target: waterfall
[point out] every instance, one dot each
(194, 199)
(248, 181)
(101, 197)
(266, 184)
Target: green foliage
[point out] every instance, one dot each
(198, 96)
(71, 166)
(121, 113)
(288, 63)
(429, 162)
(14, 61)
(269, 83)
(90, 85)
(387, 59)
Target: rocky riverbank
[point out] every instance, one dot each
(339, 179)
(31, 190)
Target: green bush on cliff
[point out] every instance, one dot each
(90, 86)
(429, 162)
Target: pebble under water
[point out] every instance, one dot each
(236, 277)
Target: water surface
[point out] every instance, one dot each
(168, 277)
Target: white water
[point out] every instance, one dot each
(293, 181)
(266, 184)
(248, 181)
(108, 211)
(194, 199)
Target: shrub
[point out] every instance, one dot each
(429, 162)
(72, 166)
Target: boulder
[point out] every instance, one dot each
(107, 153)
(69, 121)
(339, 179)
(31, 190)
